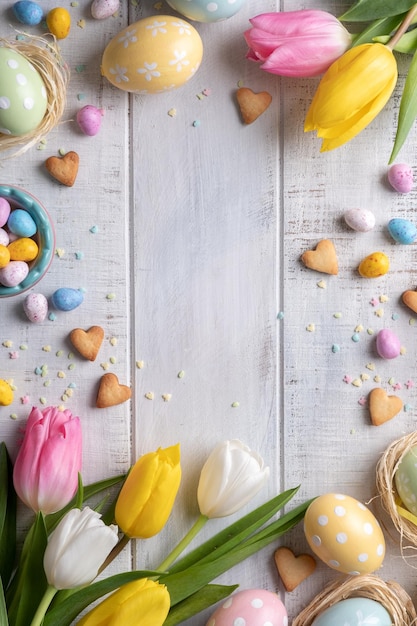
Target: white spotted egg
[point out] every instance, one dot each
(23, 95)
(348, 611)
(344, 534)
(406, 480)
(254, 607)
(361, 220)
(207, 10)
(153, 55)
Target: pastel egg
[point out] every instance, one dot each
(360, 220)
(400, 177)
(4, 256)
(155, 54)
(23, 95)
(405, 479)
(67, 299)
(254, 607)
(388, 345)
(402, 231)
(348, 611)
(28, 12)
(101, 9)
(344, 534)
(206, 10)
(6, 393)
(374, 265)
(4, 237)
(58, 21)
(23, 249)
(14, 273)
(4, 211)
(35, 306)
(89, 119)
(21, 223)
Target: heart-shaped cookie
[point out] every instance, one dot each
(410, 299)
(383, 407)
(111, 392)
(252, 104)
(293, 569)
(87, 342)
(64, 169)
(323, 258)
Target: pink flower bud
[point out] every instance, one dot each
(45, 473)
(296, 43)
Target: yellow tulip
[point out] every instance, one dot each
(142, 602)
(148, 494)
(351, 93)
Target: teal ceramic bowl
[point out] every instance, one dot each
(44, 237)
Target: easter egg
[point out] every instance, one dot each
(28, 12)
(23, 249)
(4, 211)
(405, 479)
(402, 231)
(4, 256)
(4, 237)
(400, 177)
(89, 119)
(67, 299)
(348, 611)
(14, 273)
(6, 393)
(388, 345)
(254, 607)
(23, 96)
(360, 220)
(35, 306)
(374, 265)
(153, 55)
(58, 21)
(344, 534)
(100, 9)
(206, 10)
(21, 223)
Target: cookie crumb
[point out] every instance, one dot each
(166, 397)
(149, 395)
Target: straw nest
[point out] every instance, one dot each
(43, 53)
(389, 594)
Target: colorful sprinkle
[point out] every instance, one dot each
(335, 348)
(149, 395)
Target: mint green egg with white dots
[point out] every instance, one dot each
(23, 95)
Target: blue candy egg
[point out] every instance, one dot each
(354, 611)
(402, 231)
(28, 12)
(207, 10)
(21, 223)
(67, 299)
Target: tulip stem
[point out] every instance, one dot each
(187, 539)
(402, 28)
(43, 606)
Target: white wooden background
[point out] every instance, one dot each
(199, 235)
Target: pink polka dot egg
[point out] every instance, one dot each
(344, 534)
(252, 607)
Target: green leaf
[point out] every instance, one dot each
(4, 620)
(63, 613)
(30, 582)
(408, 109)
(235, 533)
(79, 496)
(7, 516)
(369, 10)
(208, 595)
(378, 28)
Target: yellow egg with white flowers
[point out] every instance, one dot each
(153, 55)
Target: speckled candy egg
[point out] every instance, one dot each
(23, 96)
(388, 344)
(253, 607)
(405, 479)
(402, 231)
(28, 12)
(21, 223)
(35, 306)
(207, 10)
(89, 119)
(58, 21)
(153, 55)
(344, 534)
(374, 265)
(67, 299)
(361, 220)
(5, 209)
(400, 177)
(14, 273)
(354, 611)
(101, 9)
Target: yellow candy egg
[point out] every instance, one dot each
(6, 393)
(4, 256)
(153, 55)
(374, 265)
(58, 21)
(23, 249)
(344, 534)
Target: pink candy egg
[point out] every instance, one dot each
(254, 607)
(89, 119)
(35, 306)
(14, 273)
(388, 345)
(400, 177)
(4, 211)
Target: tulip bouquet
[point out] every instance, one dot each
(57, 573)
(359, 69)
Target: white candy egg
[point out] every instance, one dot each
(360, 220)
(14, 273)
(35, 306)
(101, 9)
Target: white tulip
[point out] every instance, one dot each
(77, 548)
(232, 475)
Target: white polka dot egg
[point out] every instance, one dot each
(253, 607)
(207, 10)
(23, 96)
(344, 534)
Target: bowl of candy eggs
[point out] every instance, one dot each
(27, 241)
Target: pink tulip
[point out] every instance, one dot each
(296, 43)
(45, 473)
